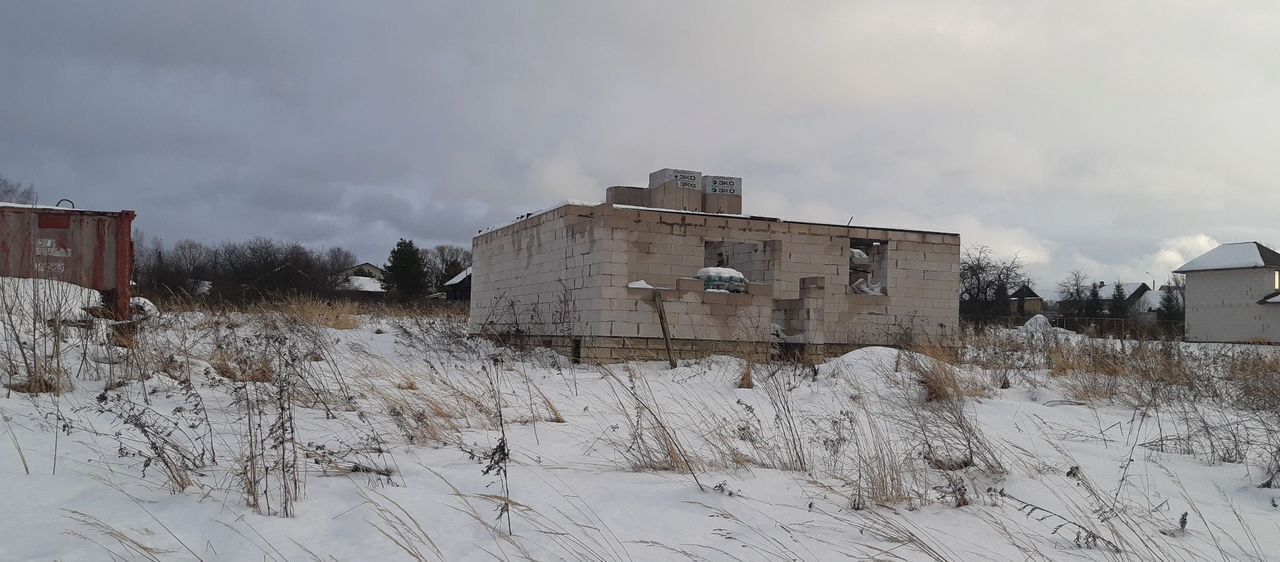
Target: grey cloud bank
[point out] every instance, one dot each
(1118, 139)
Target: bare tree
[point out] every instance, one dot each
(193, 256)
(444, 262)
(14, 192)
(337, 259)
(986, 282)
(1073, 293)
(250, 270)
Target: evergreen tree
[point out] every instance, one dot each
(1093, 304)
(1171, 309)
(406, 272)
(1119, 305)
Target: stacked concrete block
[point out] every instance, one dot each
(722, 204)
(674, 195)
(627, 195)
(688, 179)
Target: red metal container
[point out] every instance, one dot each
(92, 249)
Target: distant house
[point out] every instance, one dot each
(360, 282)
(1147, 307)
(1133, 292)
(459, 288)
(1233, 294)
(363, 270)
(1025, 302)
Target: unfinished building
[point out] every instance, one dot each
(600, 282)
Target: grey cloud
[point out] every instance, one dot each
(1086, 135)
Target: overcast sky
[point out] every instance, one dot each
(1119, 138)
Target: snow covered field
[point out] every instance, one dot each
(266, 435)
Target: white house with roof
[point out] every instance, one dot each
(362, 282)
(1233, 294)
(1133, 292)
(459, 287)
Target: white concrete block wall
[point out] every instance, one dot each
(536, 275)
(1222, 306)
(594, 252)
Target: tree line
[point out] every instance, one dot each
(251, 270)
(1081, 297)
(263, 268)
(14, 192)
(987, 284)
(412, 272)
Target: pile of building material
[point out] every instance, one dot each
(722, 279)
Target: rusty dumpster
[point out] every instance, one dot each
(92, 249)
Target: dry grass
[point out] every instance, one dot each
(400, 527)
(553, 414)
(931, 364)
(440, 309)
(745, 381)
(330, 313)
(419, 416)
(651, 444)
(339, 314)
(873, 468)
(38, 385)
(240, 366)
(130, 548)
(1256, 377)
(930, 404)
(1136, 374)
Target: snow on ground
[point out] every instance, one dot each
(143, 308)
(237, 436)
(1037, 323)
(41, 300)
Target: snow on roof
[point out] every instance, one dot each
(364, 265)
(539, 212)
(665, 210)
(50, 208)
(1109, 290)
(773, 219)
(459, 277)
(1236, 255)
(366, 284)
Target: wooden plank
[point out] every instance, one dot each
(666, 332)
